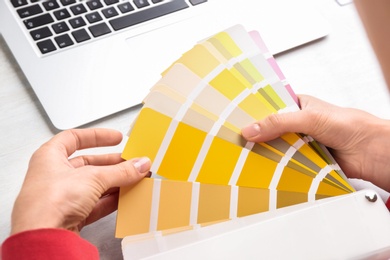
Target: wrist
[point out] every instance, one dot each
(30, 215)
(377, 159)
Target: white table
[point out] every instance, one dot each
(340, 69)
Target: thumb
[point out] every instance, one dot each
(125, 173)
(276, 125)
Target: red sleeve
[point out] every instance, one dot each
(47, 244)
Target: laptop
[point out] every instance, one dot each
(89, 59)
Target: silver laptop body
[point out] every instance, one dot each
(109, 63)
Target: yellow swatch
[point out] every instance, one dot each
(257, 172)
(182, 153)
(145, 126)
(132, 209)
(214, 203)
(174, 211)
(219, 163)
(252, 201)
(199, 60)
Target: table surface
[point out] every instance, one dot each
(340, 68)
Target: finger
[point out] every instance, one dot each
(122, 174)
(306, 121)
(97, 160)
(111, 190)
(105, 206)
(70, 141)
(275, 126)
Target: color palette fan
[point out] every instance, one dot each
(203, 171)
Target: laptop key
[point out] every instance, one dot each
(110, 12)
(110, 2)
(196, 2)
(63, 40)
(141, 3)
(147, 14)
(46, 46)
(60, 27)
(38, 21)
(81, 35)
(77, 22)
(93, 17)
(61, 14)
(41, 33)
(94, 4)
(29, 11)
(99, 29)
(67, 2)
(18, 3)
(50, 5)
(125, 7)
(78, 9)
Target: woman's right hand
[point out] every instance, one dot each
(358, 140)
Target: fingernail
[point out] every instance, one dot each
(143, 164)
(251, 130)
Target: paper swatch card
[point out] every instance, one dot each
(203, 171)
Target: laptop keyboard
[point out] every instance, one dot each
(59, 24)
